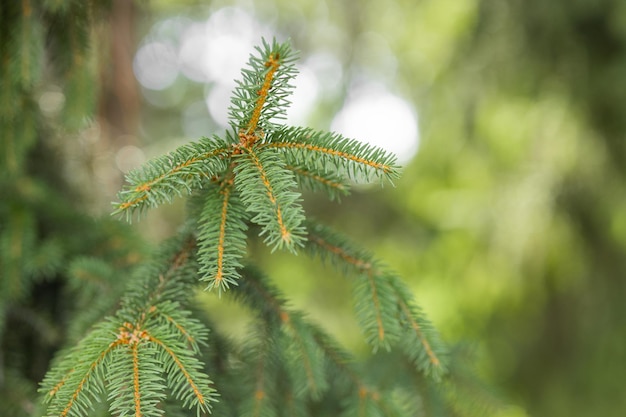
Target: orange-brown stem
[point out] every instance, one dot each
(272, 63)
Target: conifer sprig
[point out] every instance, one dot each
(222, 225)
(358, 161)
(318, 179)
(261, 96)
(250, 176)
(383, 304)
(315, 362)
(181, 171)
(260, 373)
(148, 347)
(265, 161)
(299, 346)
(267, 189)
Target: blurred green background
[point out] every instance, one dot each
(509, 117)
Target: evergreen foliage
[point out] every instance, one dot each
(56, 262)
(139, 344)
(151, 331)
(506, 230)
(245, 181)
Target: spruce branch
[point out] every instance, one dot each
(375, 306)
(266, 188)
(221, 235)
(318, 179)
(384, 305)
(73, 385)
(265, 161)
(253, 174)
(181, 171)
(260, 373)
(312, 354)
(337, 250)
(262, 93)
(150, 345)
(306, 360)
(299, 346)
(421, 343)
(358, 161)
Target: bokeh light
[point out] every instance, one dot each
(376, 116)
(156, 65)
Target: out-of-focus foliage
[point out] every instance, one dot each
(515, 199)
(55, 259)
(517, 192)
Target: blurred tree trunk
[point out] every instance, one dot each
(120, 101)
